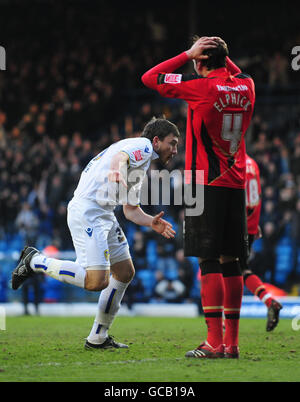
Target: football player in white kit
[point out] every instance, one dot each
(103, 259)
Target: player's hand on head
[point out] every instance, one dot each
(218, 40)
(162, 227)
(203, 43)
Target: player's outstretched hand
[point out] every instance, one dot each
(163, 227)
(203, 43)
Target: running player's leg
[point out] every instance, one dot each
(31, 261)
(122, 270)
(110, 300)
(252, 281)
(92, 277)
(255, 285)
(89, 235)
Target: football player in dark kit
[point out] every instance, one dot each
(253, 207)
(220, 105)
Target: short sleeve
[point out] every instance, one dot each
(139, 152)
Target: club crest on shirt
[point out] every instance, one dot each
(173, 78)
(138, 155)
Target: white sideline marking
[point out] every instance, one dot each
(57, 364)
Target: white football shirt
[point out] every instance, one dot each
(94, 185)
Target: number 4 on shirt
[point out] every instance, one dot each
(232, 130)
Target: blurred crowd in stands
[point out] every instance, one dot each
(72, 87)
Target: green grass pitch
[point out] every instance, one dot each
(36, 349)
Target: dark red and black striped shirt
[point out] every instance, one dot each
(220, 108)
(253, 195)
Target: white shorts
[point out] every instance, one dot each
(98, 239)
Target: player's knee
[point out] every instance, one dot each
(246, 273)
(210, 266)
(123, 271)
(128, 277)
(130, 274)
(125, 276)
(231, 267)
(96, 281)
(224, 259)
(96, 286)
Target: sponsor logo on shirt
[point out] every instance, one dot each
(138, 155)
(236, 88)
(89, 231)
(147, 150)
(173, 78)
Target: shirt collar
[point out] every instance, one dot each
(154, 155)
(218, 72)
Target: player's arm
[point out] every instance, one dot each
(136, 215)
(160, 78)
(150, 78)
(118, 164)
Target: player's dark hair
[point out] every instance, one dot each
(217, 56)
(159, 127)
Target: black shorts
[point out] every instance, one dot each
(222, 227)
(244, 261)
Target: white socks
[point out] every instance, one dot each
(108, 307)
(70, 272)
(65, 271)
